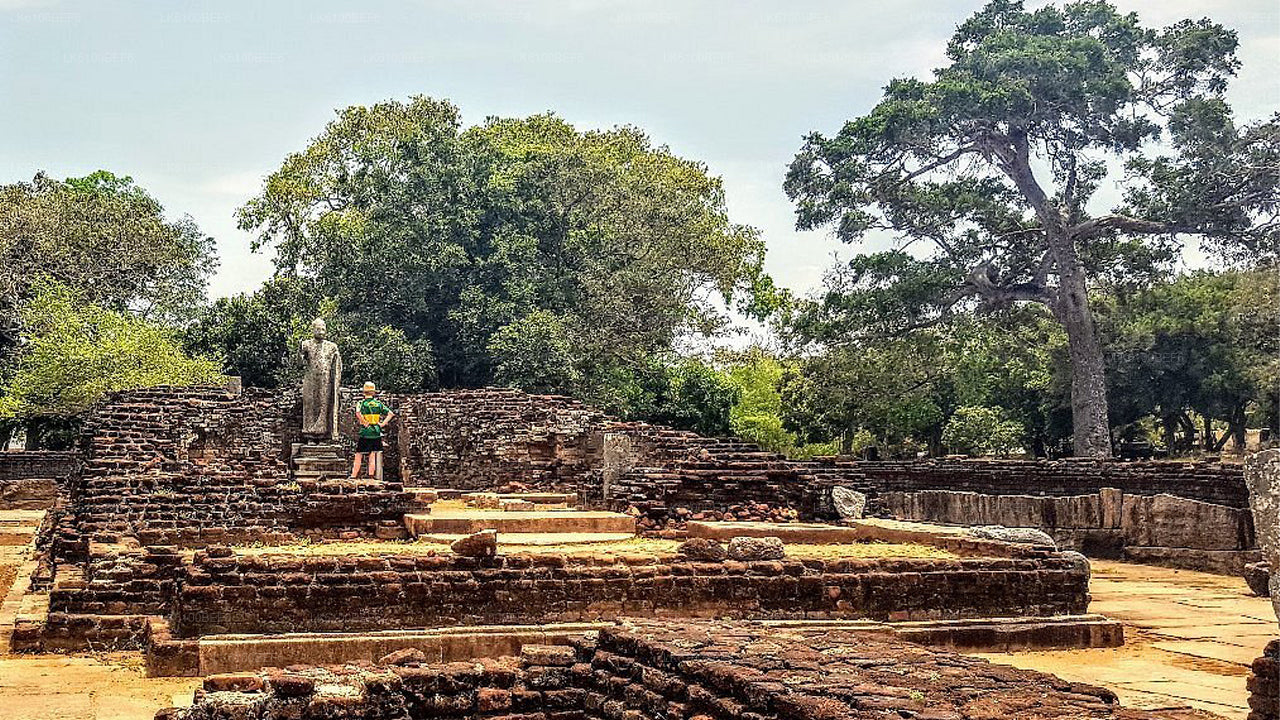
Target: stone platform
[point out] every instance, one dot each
(214, 654)
(512, 542)
(465, 521)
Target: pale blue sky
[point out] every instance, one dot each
(198, 101)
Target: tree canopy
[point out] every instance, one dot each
(74, 352)
(104, 237)
(596, 247)
(989, 174)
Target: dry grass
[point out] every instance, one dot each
(633, 546)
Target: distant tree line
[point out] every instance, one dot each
(1013, 312)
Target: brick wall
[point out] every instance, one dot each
(199, 465)
(482, 439)
(222, 593)
(29, 479)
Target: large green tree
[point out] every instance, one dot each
(597, 249)
(75, 351)
(105, 237)
(989, 174)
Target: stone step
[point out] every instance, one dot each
(786, 532)
(238, 653)
(511, 542)
(465, 522)
(542, 499)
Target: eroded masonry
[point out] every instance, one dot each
(528, 556)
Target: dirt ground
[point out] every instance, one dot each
(1189, 639)
(109, 686)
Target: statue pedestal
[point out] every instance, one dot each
(314, 461)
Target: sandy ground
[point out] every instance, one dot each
(1189, 639)
(86, 687)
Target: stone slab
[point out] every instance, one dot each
(1219, 562)
(538, 539)
(901, 531)
(1175, 522)
(236, 653)
(543, 498)
(786, 532)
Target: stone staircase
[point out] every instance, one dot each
(535, 518)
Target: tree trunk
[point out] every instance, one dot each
(1090, 429)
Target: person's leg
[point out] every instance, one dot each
(355, 465)
(375, 463)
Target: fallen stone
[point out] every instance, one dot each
(407, 656)
(1258, 576)
(481, 544)
(483, 501)
(509, 505)
(704, 549)
(756, 548)
(850, 504)
(1026, 536)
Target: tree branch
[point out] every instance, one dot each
(1095, 227)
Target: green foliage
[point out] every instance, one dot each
(891, 389)
(534, 354)
(977, 430)
(107, 239)
(987, 171)
(1203, 343)
(463, 238)
(682, 392)
(74, 352)
(757, 415)
(251, 332)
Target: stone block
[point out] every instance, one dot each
(1174, 522)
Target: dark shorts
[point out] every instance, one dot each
(368, 445)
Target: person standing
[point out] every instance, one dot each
(372, 414)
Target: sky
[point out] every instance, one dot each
(199, 101)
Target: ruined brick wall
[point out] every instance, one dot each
(1264, 684)
(30, 479)
(672, 671)
(200, 465)
(282, 593)
(1218, 483)
(184, 464)
(483, 439)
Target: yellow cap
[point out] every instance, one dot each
(370, 387)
